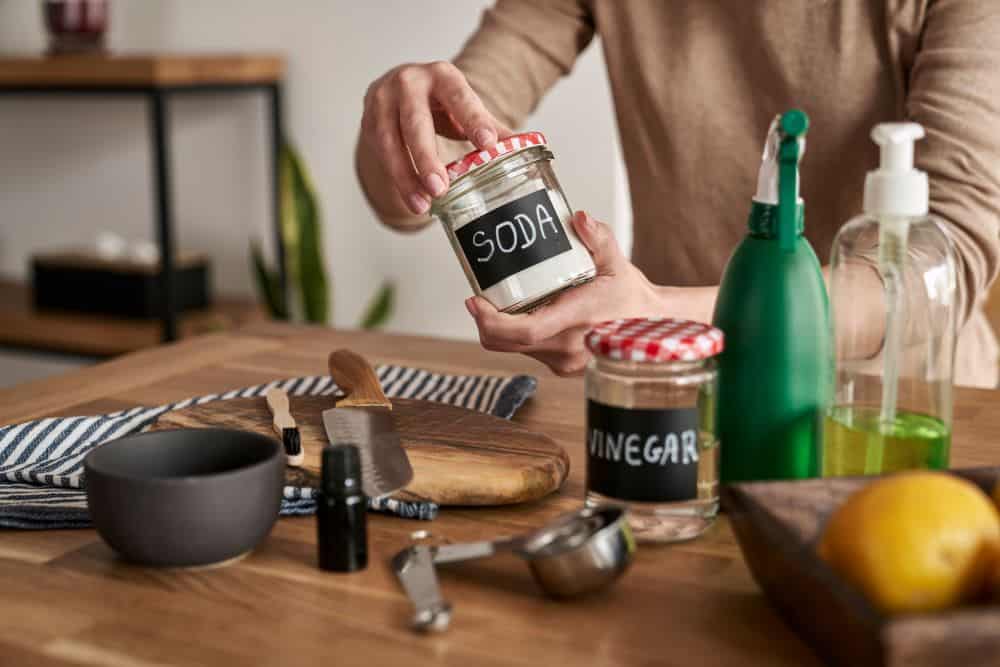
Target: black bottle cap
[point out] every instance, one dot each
(341, 469)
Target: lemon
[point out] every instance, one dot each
(915, 541)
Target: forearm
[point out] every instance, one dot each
(860, 321)
(381, 193)
(954, 92)
(686, 303)
(863, 326)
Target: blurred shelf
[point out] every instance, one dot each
(140, 70)
(155, 79)
(101, 336)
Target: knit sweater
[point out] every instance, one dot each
(696, 83)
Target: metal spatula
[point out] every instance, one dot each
(364, 418)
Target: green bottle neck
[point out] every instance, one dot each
(763, 220)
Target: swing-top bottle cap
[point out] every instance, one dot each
(896, 188)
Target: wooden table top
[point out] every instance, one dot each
(67, 599)
(168, 69)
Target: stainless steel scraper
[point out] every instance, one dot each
(364, 418)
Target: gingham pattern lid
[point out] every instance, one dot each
(655, 339)
(478, 158)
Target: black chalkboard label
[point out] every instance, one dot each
(643, 455)
(513, 237)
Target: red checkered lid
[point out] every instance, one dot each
(654, 339)
(477, 158)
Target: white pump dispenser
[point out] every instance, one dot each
(896, 189)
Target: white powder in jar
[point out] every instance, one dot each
(529, 287)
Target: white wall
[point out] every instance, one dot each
(72, 166)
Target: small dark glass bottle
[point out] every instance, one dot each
(341, 510)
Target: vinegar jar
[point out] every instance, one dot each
(508, 221)
(651, 441)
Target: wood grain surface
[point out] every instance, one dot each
(459, 456)
(779, 524)
(67, 600)
(165, 69)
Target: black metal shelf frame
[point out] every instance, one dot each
(157, 98)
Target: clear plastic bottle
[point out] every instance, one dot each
(893, 300)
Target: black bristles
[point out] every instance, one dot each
(292, 441)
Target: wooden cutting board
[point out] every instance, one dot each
(459, 456)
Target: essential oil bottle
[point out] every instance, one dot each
(341, 511)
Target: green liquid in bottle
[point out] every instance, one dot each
(856, 442)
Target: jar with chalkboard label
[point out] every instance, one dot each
(651, 388)
(509, 223)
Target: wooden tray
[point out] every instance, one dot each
(777, 525)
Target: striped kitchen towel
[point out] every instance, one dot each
(41, 461)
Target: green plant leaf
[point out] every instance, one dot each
(380, 308)
(268, 284)
(289, 227)
(301, 228)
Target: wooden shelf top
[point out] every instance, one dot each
(140, 70)
(102, 336)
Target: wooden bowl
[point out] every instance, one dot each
(778, 525)
(188, 497)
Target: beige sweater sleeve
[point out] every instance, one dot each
(522, 47)
(954, 92)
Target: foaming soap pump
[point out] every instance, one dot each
(774, 375)
(893, 298)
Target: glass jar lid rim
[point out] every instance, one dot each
(477, 158)
(655, 339)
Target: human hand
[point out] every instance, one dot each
(554, 334)
(404, 111)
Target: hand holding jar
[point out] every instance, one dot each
(554, 333)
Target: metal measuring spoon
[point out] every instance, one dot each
(577, 553)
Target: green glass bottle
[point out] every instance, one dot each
(775, 373)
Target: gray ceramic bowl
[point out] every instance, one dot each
(186, 497)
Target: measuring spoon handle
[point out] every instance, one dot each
(455, 553)
(414, 567)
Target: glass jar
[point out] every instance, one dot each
(509, 223)
(76, 27)
(651, 433)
